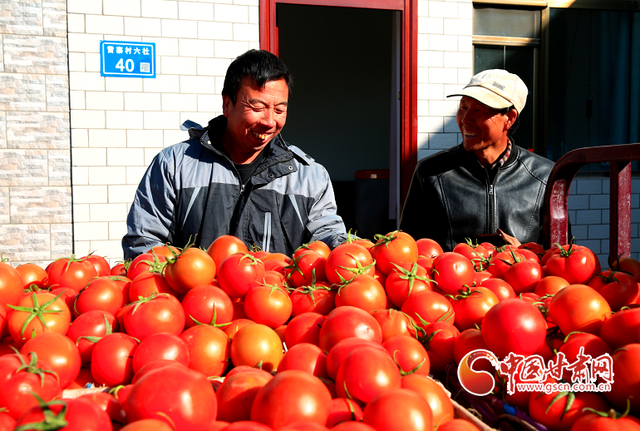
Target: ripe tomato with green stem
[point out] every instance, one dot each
(395, 248)
(38, 313)
(451, 271)
(348, 260)
(192, 267)
(71, 272)
(157, 313)
(401, 283)
(238, 273)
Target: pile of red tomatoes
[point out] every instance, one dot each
(346, 339)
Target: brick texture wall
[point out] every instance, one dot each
(35, 173)
(120, 124)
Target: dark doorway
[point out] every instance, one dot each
(341, 106)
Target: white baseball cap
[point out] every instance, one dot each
(497, 89)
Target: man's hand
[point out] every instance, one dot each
(511, 240)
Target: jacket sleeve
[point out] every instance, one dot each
(420, 213)
(150, 219)
(324, 223)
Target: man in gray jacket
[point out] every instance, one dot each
(237, 176)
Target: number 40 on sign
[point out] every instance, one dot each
(128, 59)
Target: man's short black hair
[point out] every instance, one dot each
(260, 67)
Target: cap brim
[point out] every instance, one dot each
(485, 96)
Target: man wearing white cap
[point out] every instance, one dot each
(487, 184)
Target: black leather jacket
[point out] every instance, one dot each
(453, 197)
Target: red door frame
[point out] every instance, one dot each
(409, 122)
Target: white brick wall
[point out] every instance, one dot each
(120, 124)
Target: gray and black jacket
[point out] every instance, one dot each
(192, 189)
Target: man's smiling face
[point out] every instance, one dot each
(481, 126)
(256, 117)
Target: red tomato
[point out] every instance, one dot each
(515, 326)
(343, 410)
(291, 396)
(401, 283)
(560, 414)
(207, 304)
(112, 359)
(318, 247)
(468, 341)
(157, 313)
(101, 265)
(59, 352)
(427, 307)
(19, 379)
(434, 393)
(146, 262)
(307, 266)
(440, 338)
(348, 260)
(268, 305)
(476, 253)
(78, 414)
(255, 344)
(33, 274)
(362, 291)
(458, 425)
(621, 328)
(224, 246)
(394, 322)
(160, 346)
(399, 409)
(612, 422)
(147, 283)
(629, 265)
(120, 269)
(304, 328)
(345, 322)
(236, 325)
(339, 352)
(305, 357)
(238, 273)
(618, 288)
(592, 345)
(354, 379)
(393, 250)
(101, 294)
(108, 404)
(578, 308)
(38, 313)
(499, 287)
(237, 392)
(88, 328)
(575, 263)
(523, 276)
(11, 284)
(626, 379)
(208, 348)
(502, 260)
(192, 267)
(550, 285)
(471, 305)
(428, 248)
(452, 271)
(190, 404)
(409, 355)
(71, 272)
(315, 298)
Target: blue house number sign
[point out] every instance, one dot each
(128, 59)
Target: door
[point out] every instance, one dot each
(351, 105)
